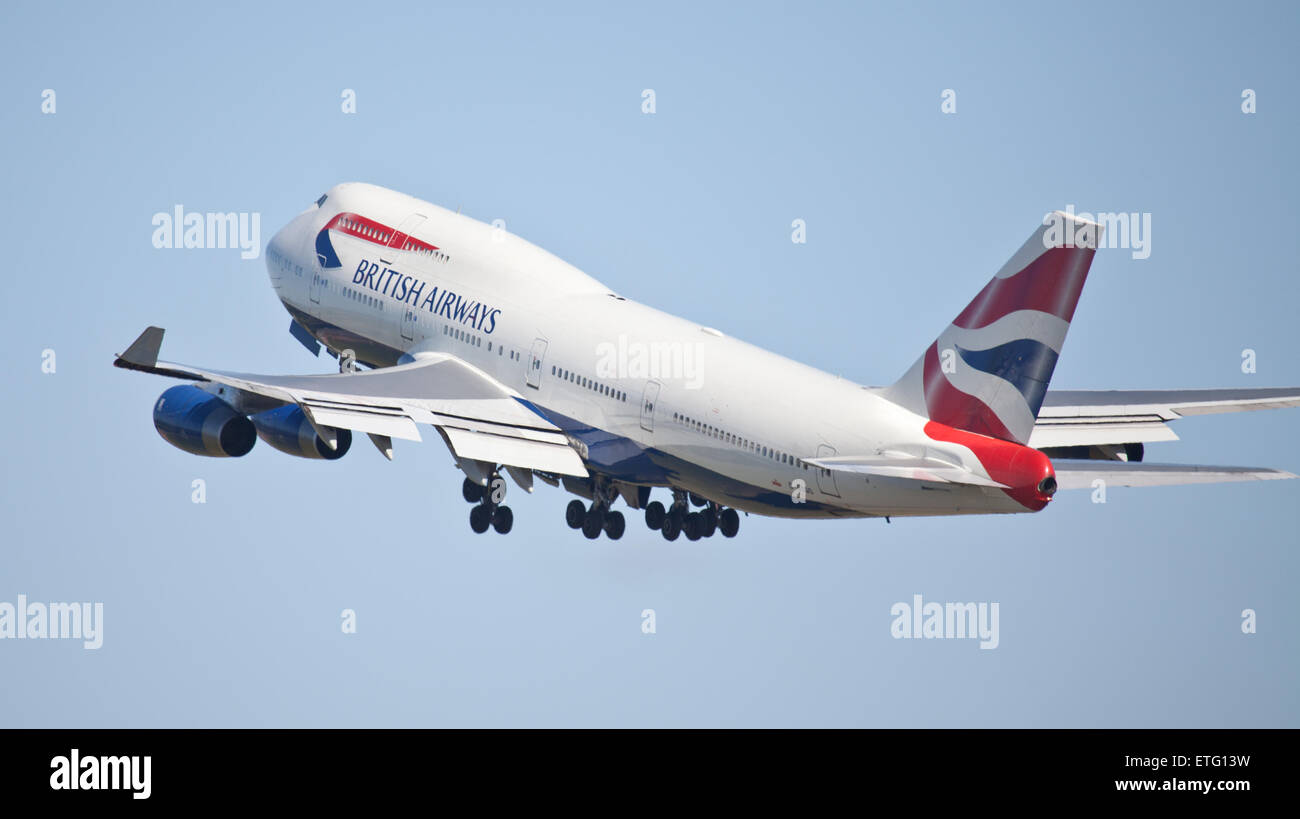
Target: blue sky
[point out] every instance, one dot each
(228, 613)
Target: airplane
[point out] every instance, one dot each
(527, 366)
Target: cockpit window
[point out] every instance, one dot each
(321, 201)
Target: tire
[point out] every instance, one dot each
(471, 492)
(593, 524)
(678, 513)
(615, 524)
(696, 500)
(671, 529)
(575, 514)
(655, 514)
(480, 518)
(503, 520)
(710, 518)
(693, 528)
(729, 522)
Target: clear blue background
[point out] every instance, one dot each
(228, 613)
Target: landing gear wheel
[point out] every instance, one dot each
(710, 518)
(678, 513)
(575, 513)
(696, 500)
(480, 518)
(655, 514)
(614, 525)
(729, 522)
(593, 524)
(672, 528)
(503, 520)
(694, 526)
(471, 491)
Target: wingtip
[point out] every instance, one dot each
(143, 352)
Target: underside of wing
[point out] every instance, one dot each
(1083, 474)
(1114, 423)
(480, 418)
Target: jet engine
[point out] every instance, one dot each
(198, 422)
(288, 430)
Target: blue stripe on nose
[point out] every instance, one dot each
(325, 250)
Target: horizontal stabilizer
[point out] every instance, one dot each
(1101, 417)
(908, 468)
(1082, 474)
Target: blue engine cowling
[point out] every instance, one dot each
(288, 430)
(202, 424)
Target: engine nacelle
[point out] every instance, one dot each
(288, 430)
(202, 424)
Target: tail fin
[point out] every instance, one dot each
(988, 372)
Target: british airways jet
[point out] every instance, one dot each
(524, 364)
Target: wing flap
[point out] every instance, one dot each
(361, 419)
(499, 449)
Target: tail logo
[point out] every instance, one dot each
(1005, 346)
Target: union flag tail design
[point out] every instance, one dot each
(988, 372)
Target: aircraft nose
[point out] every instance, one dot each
(277, 257)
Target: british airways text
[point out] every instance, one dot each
(410, 290)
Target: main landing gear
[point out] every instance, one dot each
(487, 513)
(594, 520)
(678, 520)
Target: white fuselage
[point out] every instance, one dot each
(647, 398)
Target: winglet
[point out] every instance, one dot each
(143, 352)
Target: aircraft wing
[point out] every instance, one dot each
(1081, 474)
(1071, 418)
(480, 418)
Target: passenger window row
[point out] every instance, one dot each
(385, 237)
(477, 341)
(461, 335)
(589, 383)
(365, 230)
(436, 255)
(363, 298)
(739, 441)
